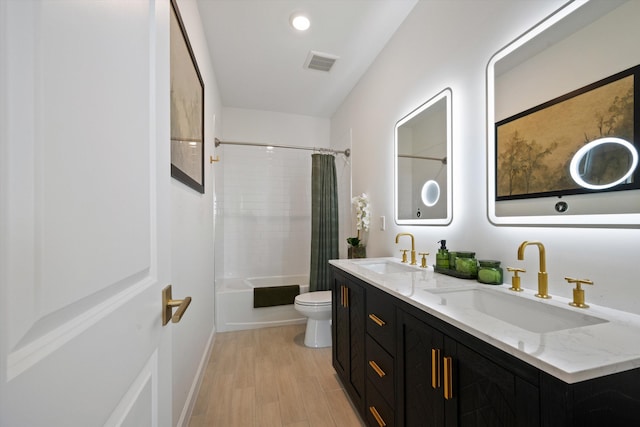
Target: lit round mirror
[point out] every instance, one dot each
(604, 163)
(430, 193)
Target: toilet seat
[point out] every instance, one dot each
(314, 299)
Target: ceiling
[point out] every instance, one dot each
(258, 58)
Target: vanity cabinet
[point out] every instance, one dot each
(402, 366)
(446, 383)
(348, 335)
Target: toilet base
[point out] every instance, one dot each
(318, 333)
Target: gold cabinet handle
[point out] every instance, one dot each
(448, 377)
(377, 416)
(377, 368)
(168, 304)
(344, 301)
(378, 321)
(435, 368)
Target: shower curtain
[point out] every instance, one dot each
(324, 220)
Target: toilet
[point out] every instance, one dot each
(316, 306)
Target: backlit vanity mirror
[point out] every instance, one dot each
(563, 120)
(423, 164)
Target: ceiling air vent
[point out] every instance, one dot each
(320, 61)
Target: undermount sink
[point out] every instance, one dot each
(387, 267)
(531, 315)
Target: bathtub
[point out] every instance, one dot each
(234, 303)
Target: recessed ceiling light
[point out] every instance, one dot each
(300, 22)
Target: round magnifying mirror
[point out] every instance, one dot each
(604, 163)
(430, 193)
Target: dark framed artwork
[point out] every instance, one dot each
(187, 108)
(534, 148)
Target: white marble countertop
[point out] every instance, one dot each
(572, 355)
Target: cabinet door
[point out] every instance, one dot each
(486, 394)
(340, 329)
(348, 337)
(355, 302)
(422, 402)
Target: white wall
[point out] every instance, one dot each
(263, 199)
(192, 242)
(449, 43)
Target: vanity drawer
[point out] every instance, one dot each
(381, 319)
(379, 365)
(377, 411)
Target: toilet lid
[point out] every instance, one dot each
(314, 298)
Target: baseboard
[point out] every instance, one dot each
(185, 416)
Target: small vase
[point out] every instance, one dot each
(357, 252)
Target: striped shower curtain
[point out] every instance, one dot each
(324, 220)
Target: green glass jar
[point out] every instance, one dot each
(490, 272)
(452, 260)
(466, 263)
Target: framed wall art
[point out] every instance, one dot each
(573, 144)
(187, 108)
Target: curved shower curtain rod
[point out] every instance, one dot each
(346, 152)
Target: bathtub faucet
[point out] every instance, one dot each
(413, 246)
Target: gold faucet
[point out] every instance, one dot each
(543, 283)
(413, 246)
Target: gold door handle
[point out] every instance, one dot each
(448, 377)
(168, 304)
(377, 416)
(378, 321)
(435, 368)
(346, 296)
(377, 368)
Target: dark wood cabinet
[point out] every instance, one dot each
(404, 367)
(447, 383)
(348, 330)
(487, 394)
(421, 399)
(612, 400)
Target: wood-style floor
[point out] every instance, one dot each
(267, 377)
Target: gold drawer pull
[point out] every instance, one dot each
(377, 368)
(435, 367)
(448, 377)
(378, 321)
(377, 416)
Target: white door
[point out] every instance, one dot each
(84, 206)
